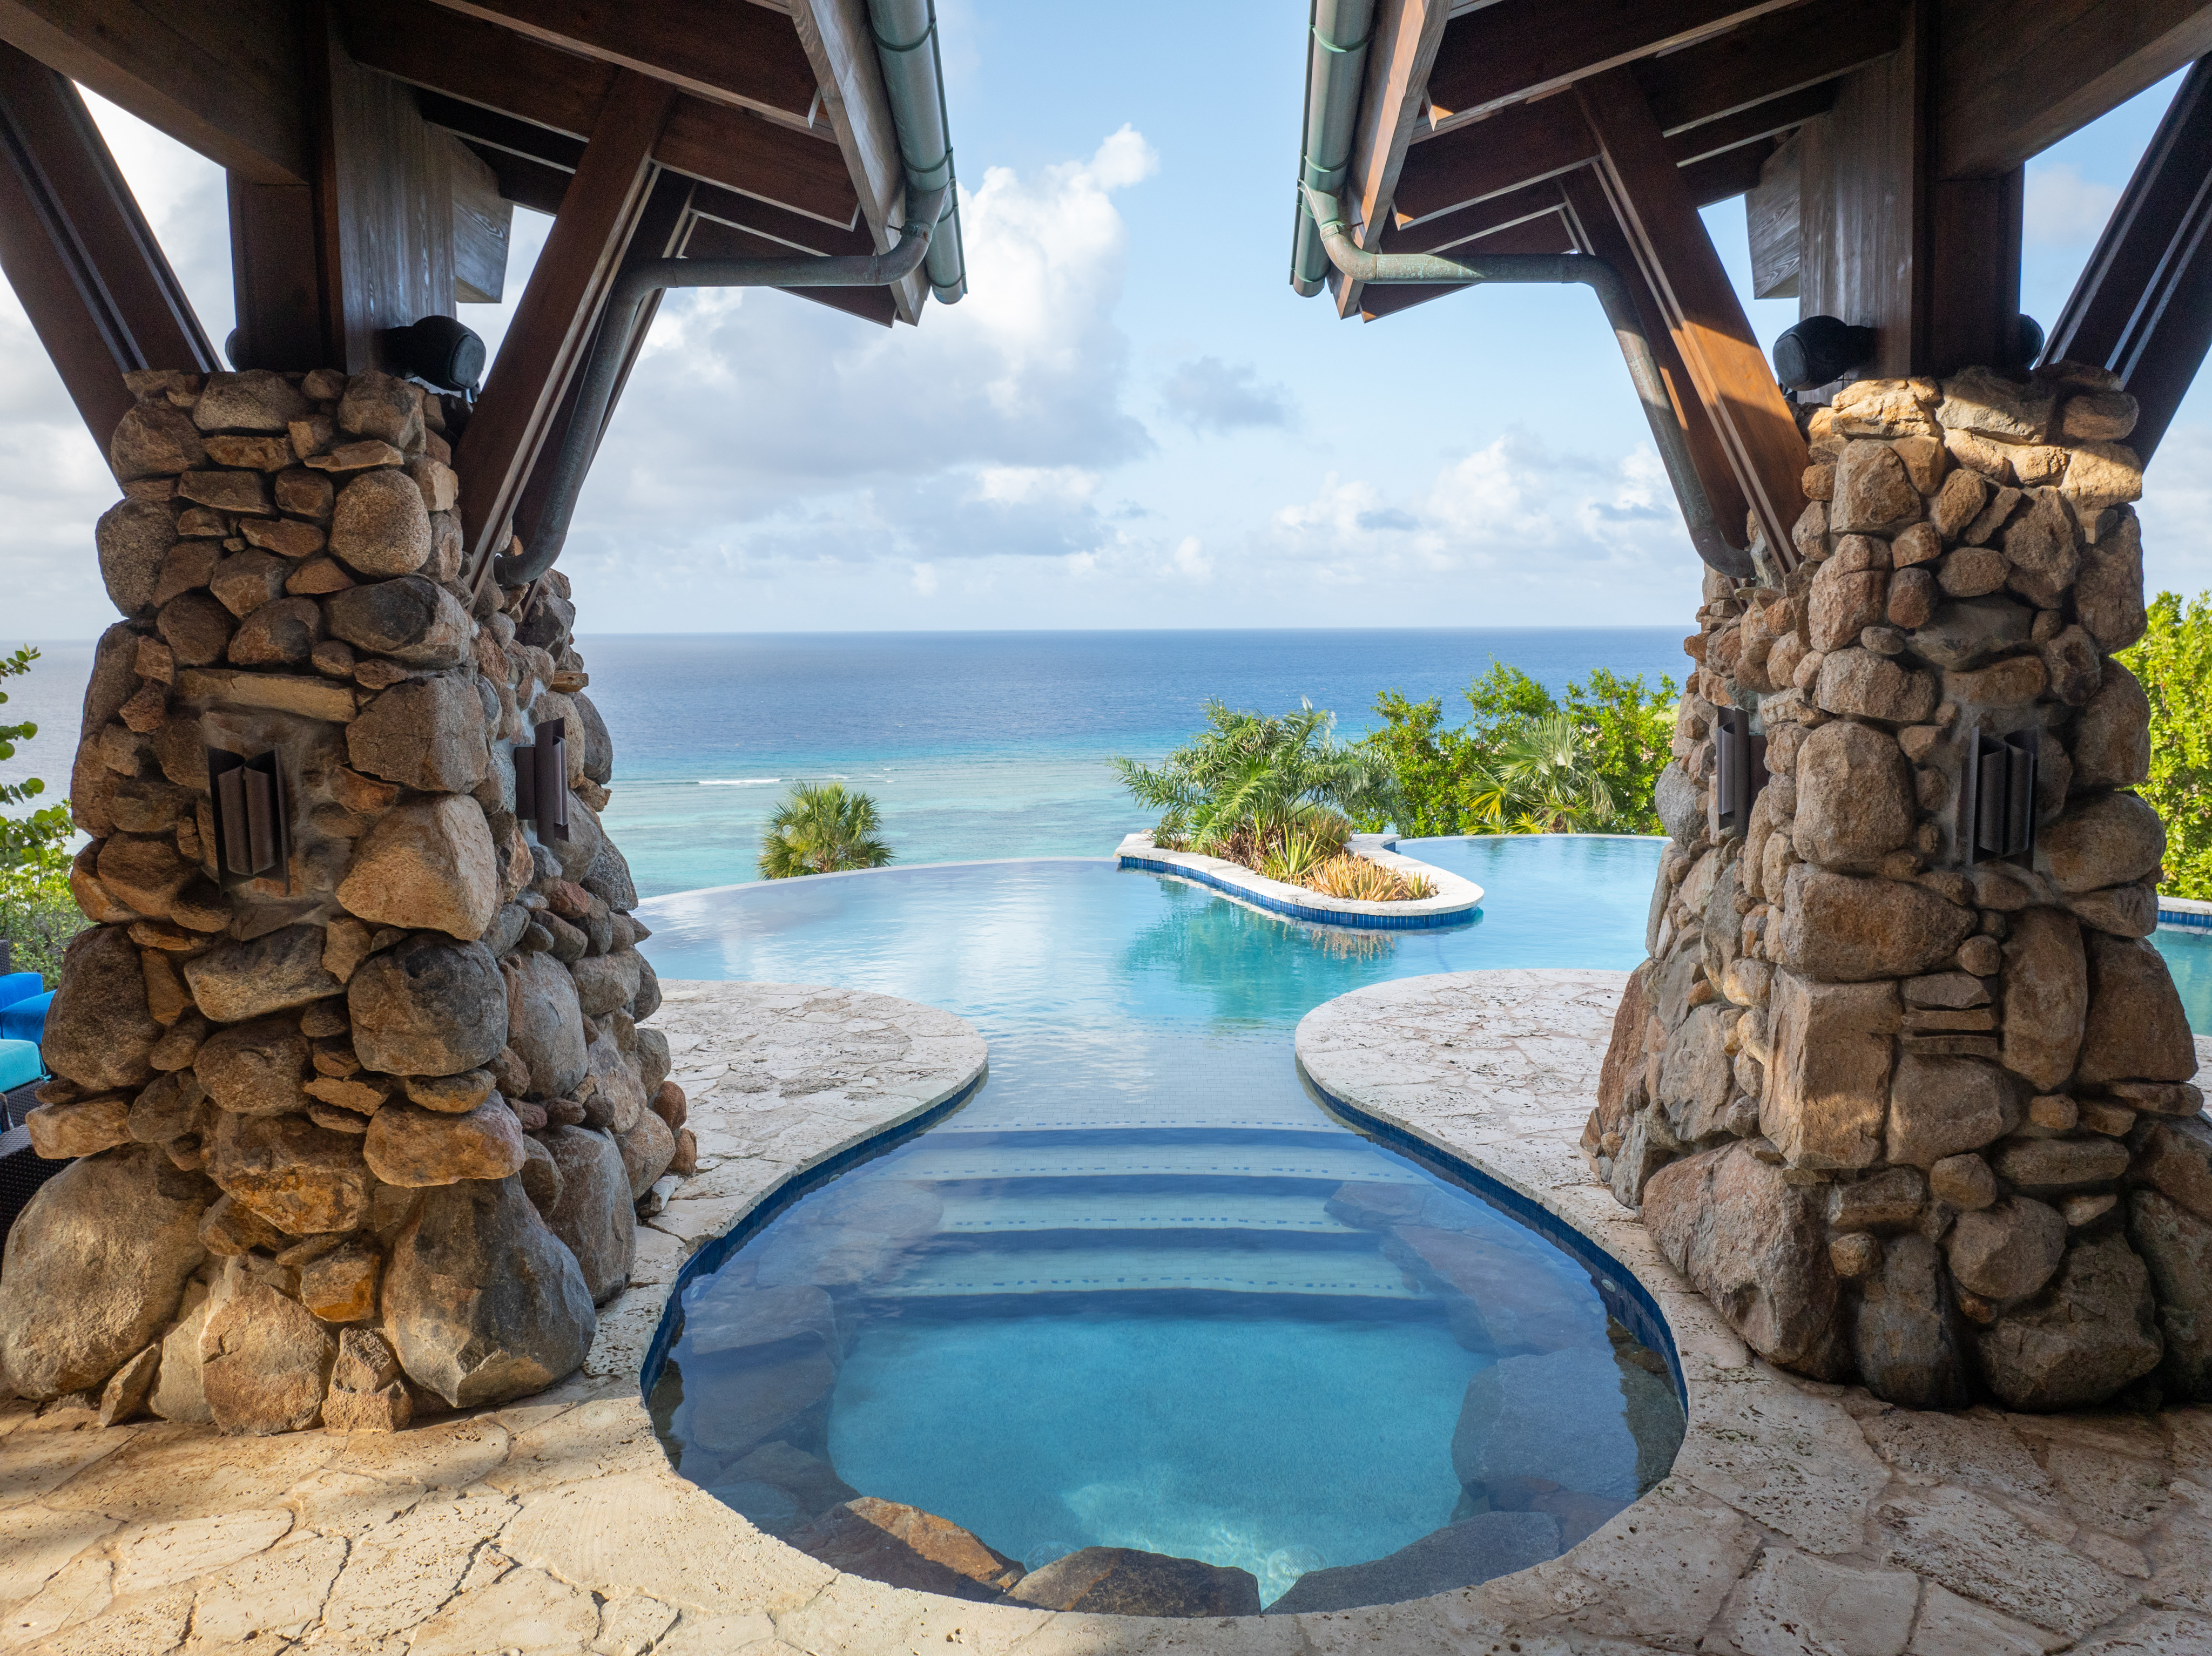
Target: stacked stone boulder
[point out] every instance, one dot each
(360, 1138)
(1903, 1115)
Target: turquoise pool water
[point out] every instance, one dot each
(1140, 1290)
(2189, 957)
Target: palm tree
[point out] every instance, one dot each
(1544, 776)
(1251, 778)
(819, 828)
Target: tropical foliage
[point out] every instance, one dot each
(1525, 761)
(820, 828)
(1253, 785)
(2174, 663)
(38, 915)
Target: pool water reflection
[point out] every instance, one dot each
(1140, 1291)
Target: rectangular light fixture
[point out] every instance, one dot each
(541, 781)
(1739, 771)
(253, 815)
(1996, 798)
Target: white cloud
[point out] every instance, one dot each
(2177, 512)
(1023, 485)
(759, 424)
(1491, 510)
(1207, 394)
(2063, 209)
(1191, 562)
(924, 579)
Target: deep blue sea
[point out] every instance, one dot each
(980, 745)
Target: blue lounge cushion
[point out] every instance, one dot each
(27, 1019)
(20, 985)
(19, 1063)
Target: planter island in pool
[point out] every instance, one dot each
(1456, 900)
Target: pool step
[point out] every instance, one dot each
(1198, 1210)
(1138, 1268)
(1354, 1159)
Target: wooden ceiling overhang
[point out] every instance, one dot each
(1881, 143)
(374, 150)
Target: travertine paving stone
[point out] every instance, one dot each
(1800, 1517)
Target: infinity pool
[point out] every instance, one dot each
(1140, 1290)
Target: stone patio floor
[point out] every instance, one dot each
(1799, 1518)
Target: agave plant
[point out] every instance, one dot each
(1250, 780)
(1304, 849)
(819, 828)
(1544, 776)
(1362, 881)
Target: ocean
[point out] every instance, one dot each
(975, 745)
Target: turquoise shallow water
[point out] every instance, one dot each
(1140, 1290)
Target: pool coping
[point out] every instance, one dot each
(1457, 898)
(1797, 1516)
(2183, 913)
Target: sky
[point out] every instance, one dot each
(1130, 422)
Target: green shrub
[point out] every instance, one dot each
(819, 828)
(2174, 663)
(38, 915)
(1525, 762)
(1249, 780)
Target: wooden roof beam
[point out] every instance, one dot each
(1516, 50)
(747, 57)
(225, 80)
(560, 306)
(440, 50)
(1659, 219)
(1768, 59)
(1598, 230)
(79, 253)
(2143, 304)
(2013, 80)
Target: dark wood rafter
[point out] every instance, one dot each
(224, 79)
(662, 224)
(477, 62)
(747, 56)
(1598, 230)
(1659, 219)
(1512, 51)
(2143, 304)
(79, 253)
(1773, 60)
(553, 321)
(2014, 79)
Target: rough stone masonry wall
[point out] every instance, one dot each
(1898, 1116)
(364, 1143)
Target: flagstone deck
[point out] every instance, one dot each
(1799, 1518)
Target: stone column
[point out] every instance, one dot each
(1902, 1113)
(359, 1137)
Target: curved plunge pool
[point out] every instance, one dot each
(1139, 1289)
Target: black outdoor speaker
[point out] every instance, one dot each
(1997, 809)
(438, 350)
(1817, 350)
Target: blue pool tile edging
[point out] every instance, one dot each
(2186, 914)
(715, 1254)
(1625, 1299)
